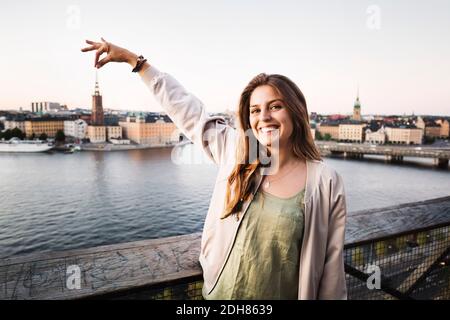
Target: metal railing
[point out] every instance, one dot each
(410, 265)
(182, 289)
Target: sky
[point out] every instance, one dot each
(397, 51)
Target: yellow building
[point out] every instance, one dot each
(96, 134)
(445, 128)
(114, 132)
(40, 126)
(353, 132)
(331, 129)
(433, 130)
(155, 132)
(404, 135)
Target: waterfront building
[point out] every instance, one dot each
(38, 126)
(377, 137)
(445, 128)
(76, 128)
(11, 124)
(153, 130)
(352, 131)
(331, 128)
(432, 130)
(113, 132)
(404, 134)
(96, 134)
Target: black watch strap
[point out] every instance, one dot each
(140, 62)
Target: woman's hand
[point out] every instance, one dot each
(113, 53)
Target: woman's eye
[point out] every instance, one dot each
(276, 107)
(254, 110)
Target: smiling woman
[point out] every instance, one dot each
(284, 242)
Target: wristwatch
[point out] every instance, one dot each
(140, 62)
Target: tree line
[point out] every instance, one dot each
(17, 133)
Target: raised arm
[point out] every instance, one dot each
(185, 110)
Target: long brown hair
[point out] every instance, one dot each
(242, 179)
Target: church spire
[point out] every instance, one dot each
(357, 107)
(97, 117)
(97, 88)
(357, 102)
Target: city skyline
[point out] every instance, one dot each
(329, 49)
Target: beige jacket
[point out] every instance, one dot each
(321, 273)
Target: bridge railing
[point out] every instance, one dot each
(394, 152)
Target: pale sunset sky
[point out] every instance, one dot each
(396, 51)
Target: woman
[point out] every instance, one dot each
(276, 222)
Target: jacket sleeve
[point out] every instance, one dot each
(333, 284)
(188, 113)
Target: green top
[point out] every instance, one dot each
(264, 260)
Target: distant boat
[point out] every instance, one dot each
(17, 145)
(72, 149)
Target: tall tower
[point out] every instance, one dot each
(357, 108)
(97, 118)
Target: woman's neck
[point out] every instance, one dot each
(282, 158)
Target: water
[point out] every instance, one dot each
(67, 201)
